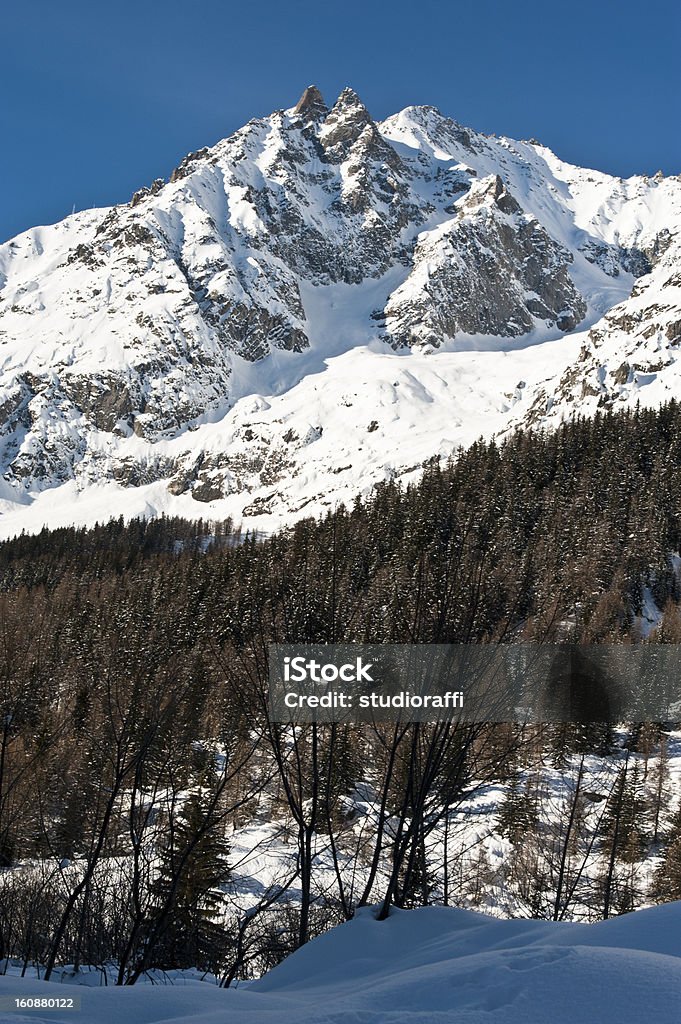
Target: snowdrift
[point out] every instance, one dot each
(423, 967)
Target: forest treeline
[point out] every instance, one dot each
(136, 736)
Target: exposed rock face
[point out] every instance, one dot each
(127, 333)
(344, 126)
(311, 105)
(491, 270)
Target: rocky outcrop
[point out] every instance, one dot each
(491, 270)
(344, 126)
(311, 105)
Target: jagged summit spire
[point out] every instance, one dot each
(349, 98)
(311, 104)
(346, 121)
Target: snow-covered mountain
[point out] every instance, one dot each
(319, 302)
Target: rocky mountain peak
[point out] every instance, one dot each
(311, 105)
(349, 100)
(346, 121)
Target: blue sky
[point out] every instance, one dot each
(97, 98)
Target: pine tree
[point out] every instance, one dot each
(518, 814)
(624, 841)
(420, 883)
(624, 822)
(657, 791)
(192, 867)
(666, 882)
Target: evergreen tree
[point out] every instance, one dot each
(666, 882)
(420, 883)
(192, 867)
(519, 814)
(624, 820)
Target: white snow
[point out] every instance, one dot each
(423, 404)
(427, 966)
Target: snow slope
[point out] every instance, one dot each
(424, 967)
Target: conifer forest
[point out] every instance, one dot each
(154, 818)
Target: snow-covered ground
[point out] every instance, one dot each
(365, 415)
(426, 966)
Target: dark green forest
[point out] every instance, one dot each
(136, 738)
